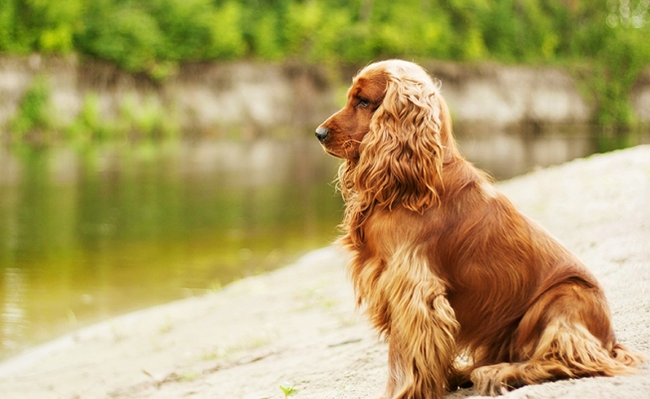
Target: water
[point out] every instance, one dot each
(90, 234)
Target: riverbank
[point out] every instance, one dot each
(298, 324)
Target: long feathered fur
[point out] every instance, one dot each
(444, 265)
(398, 164)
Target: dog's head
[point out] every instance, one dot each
(390, 132)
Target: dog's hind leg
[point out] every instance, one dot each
(565, 334)
(571, 354)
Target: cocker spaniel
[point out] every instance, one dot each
(465, 288)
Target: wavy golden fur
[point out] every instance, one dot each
(444, 264)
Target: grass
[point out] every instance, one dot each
(288, 389)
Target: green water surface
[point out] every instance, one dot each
(87, 234)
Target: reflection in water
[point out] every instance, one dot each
(86, 235)
(510, 153)
(13, 314)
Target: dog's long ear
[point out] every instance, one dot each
(401, 156)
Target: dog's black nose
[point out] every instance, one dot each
(321, 133)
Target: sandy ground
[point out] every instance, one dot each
(298, 324)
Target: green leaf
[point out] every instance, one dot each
(288, 389)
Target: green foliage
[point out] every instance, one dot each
(152, 36)
(531, 33)
(40, 25)
(410, 27)
(55, 23)
(619, 53)
(33, 109)
(88, 122)
(186, 26)
(264, 38)
(12, 36)
(145, 118)
(127, 35)
(288, 389)
(227, 36)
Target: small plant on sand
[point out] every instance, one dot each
(288, 389)
(189, 376)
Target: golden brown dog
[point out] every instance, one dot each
(444, 264)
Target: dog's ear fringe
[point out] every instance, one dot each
(401, 157)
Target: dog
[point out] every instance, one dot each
(465, 289)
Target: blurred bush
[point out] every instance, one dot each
(138, 35)
(33, 112)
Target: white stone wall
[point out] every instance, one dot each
(255, 97)
(507, 95)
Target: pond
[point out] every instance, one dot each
(89, 234)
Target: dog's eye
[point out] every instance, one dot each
(362, 103)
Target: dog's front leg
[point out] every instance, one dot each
(422, 333)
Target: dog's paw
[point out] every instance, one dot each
(459, 380)
(492, 380)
